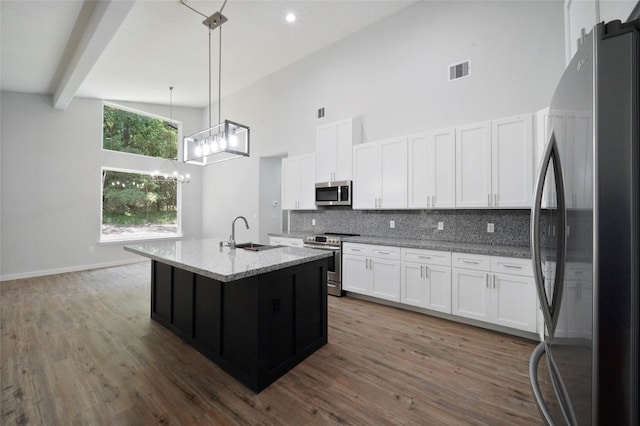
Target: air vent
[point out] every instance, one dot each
(458, 71)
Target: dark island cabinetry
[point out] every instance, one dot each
(255, 328)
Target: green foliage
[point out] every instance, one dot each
(133, 198)
(138, 134)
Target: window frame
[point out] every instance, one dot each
(177, 123)
(175, 236)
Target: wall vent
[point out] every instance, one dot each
(460, 70)
(320, 112)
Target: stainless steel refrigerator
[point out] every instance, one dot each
(585, 229)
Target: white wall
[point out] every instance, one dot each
(393, 75)
(51, 184)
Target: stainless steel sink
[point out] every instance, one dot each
(254, 246)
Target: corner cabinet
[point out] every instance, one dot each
(298, 182)
(494, 163)
(371, 270)
(494, 289)
(286, 241)
(334, 149)
(380, 175)
(432, 165)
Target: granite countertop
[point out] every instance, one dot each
(493, 250)
(207, 258)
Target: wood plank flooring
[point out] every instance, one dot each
(80, 348)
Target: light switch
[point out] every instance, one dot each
(490, 227)
(440, 226)
(392, 224)
(313, 222)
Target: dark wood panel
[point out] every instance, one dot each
(279, 320)
(182, 304)
(208, 314)
(162, 292)
(309, 305)
(242, 320)
(79, 348)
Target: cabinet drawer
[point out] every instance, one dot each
(478, 262)
(382, 252)
(432, 257)
(512, 265)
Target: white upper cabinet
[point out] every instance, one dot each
(512, 161)
(473, 165)
(334, 148)
(298, 182)
(380, 175)
(431, 180)
(494, 163)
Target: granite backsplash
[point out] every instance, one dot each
(511, 227)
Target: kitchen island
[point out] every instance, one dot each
(256, 314)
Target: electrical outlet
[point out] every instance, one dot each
(490, 227)
(313, 222)
(440, 226)
(392, 224)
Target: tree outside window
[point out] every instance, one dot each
(138, 204)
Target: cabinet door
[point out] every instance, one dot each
(419, 168)
(366, 176)
(546, 123)
(355, 274)
(514, 301)
(512, 161)
(307, 197)
(290, 183)
(393, 174)
(470, 294)
(438, 291)
(579, 137)
(326, 151)
(385, 278)
(442, 163)
(579, 309)
(473, 165)
(346, 135)
(412, 284)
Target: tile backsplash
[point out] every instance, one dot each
(511, 227)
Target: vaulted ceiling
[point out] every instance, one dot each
(134, 50)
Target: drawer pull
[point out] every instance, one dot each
(424, 257)
(512, 266)
(355, 249)
(383, 252)
(470, 262)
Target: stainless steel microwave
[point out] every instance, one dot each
(333, 193)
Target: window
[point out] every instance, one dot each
(137, 205)
(143, 203)
(129, 131)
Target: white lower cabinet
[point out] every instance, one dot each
(371, 270)
(483, 290)
(493, 289)
(425, 279)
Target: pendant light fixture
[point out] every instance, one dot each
(227, 139)
(175, 173)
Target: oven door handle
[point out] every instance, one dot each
(321, 247)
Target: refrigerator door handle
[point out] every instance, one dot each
(550, 307)
(537, 353)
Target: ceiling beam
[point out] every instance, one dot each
(102, 25)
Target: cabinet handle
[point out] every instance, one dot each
(426, 271)
(494, 281)
(471, 262)
(383, 252)
(421, 273)
(424, 257)
(355, 249)
(487, 281)
(433, 201)
(495, 200)
(489, 200)
(512, 266)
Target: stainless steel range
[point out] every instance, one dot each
(330, 241)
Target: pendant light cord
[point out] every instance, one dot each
(210, 112)
(220, 75)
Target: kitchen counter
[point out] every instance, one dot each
(207, 258)
(492, 250)
(256, 314)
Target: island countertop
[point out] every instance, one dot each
(207, 258)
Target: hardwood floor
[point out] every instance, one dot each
(80, 349)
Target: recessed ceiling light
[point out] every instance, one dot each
(290, 17)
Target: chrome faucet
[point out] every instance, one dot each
(232, 238)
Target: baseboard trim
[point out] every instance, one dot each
(45, 272)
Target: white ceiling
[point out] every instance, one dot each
(161, 43)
